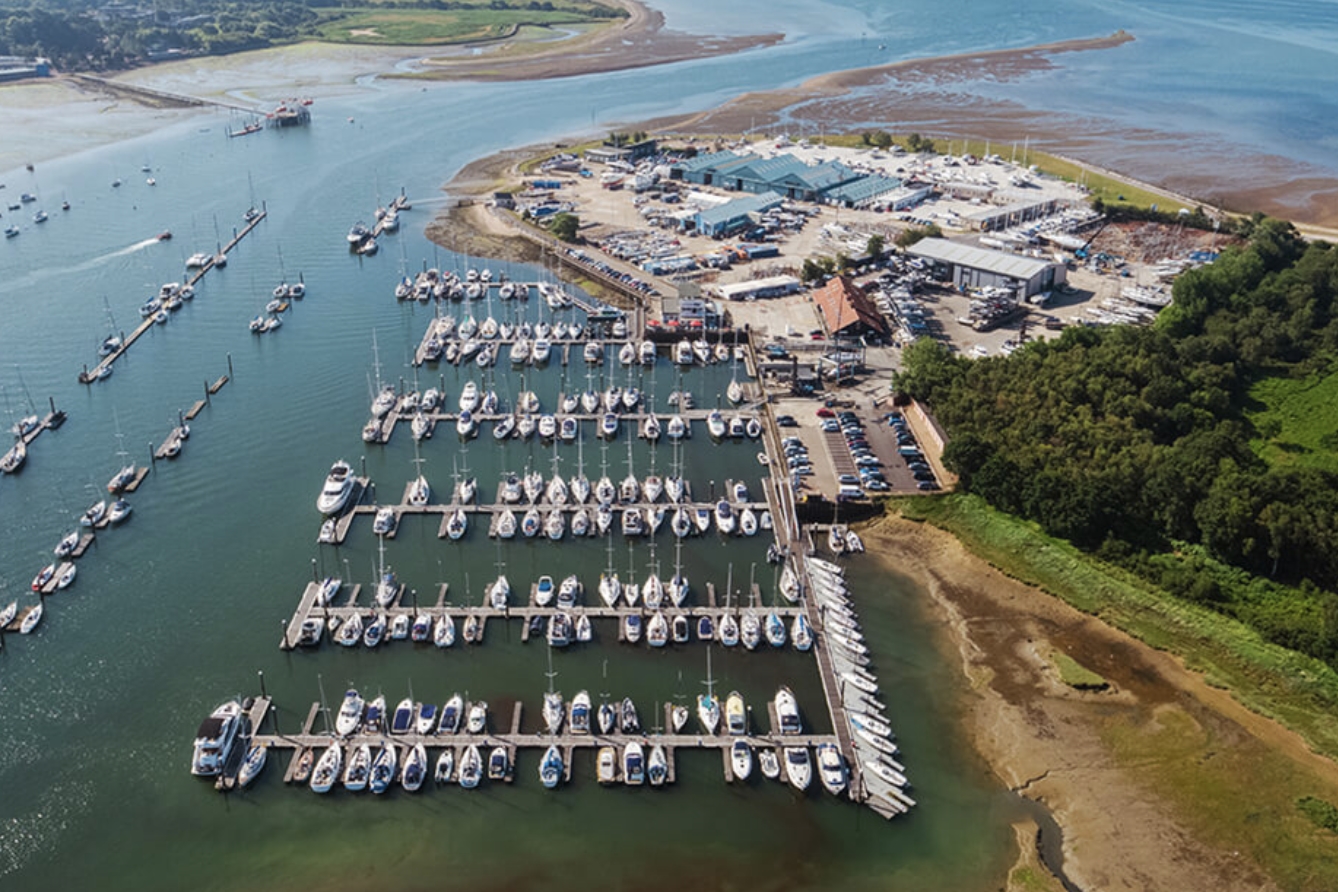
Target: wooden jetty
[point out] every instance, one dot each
(88, 376)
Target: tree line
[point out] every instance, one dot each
(83, 36)
(1134, 443)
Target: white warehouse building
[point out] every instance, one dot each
(969, 267)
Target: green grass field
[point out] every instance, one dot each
(430, 27)
(1298, 424)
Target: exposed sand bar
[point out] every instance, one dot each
(1099, 760)
(935, 97)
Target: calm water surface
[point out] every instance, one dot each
(183, 606)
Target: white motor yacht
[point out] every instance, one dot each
(350, 713)
(741, 760)
(798, 767)
(215, 738)
(338, 486)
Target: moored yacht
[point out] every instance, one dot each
(215, 738)
(338, 485)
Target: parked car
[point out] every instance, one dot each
(786, 421)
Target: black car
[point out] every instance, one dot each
(786, 421)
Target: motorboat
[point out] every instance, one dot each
(705, 628)
(66, 576)
(384, 401)
(214, 738)
(359, 769)
(402, 719)
(384, 522)
(657, 630)
(540, 350)
(725, 521)
(328, 769)
(657, 766)
(752, 428)
(634, 767)
(737, 427)
(568, 591)
(119, 511)
(584, 629)
(415, 769)
(568, 429)
(774, 629)
(715, 425)
(579, 720)
(787, 710)
(798, 767)
(465, 425)
(741, 760)
(384, 768)
(767, 761)
(593, 352)
(350, 713)
(499, 763)
(683, 352)
(471, 767)
(633, 523)
(476, 720)
(550, 769)
(608, 426)
(526, 426)
(632, 628)
(677, 428)
(421, 630)
(736, 715)
(452, 714)
(457, 523)
(606, 765)
(748, 522)
(387, 587)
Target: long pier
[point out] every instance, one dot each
(303, 743)
(103, 367)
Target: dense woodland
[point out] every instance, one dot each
(1135, 443)
(79, 35)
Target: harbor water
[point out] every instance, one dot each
(183, 606)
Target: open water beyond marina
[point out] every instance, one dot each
(182, 607)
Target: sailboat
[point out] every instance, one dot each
(708, 708)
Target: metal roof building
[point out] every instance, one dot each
(967, 266)
(732, 216)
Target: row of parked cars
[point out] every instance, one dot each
(910, 451)
(869, 476)
(797, 460)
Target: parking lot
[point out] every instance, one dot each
(850, 452)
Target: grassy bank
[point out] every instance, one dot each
(464, 24)
(1296, 421)
(1300, 692)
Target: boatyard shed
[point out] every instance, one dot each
(847, 310)
(969, 267)
(732, 216)
(1012, 214)
(771, 286)
(863, 192)
(785, 175)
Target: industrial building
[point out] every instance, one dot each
(1013, 214)
(969, 267)
(787, 176)
(847, 310)
(732, 216)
